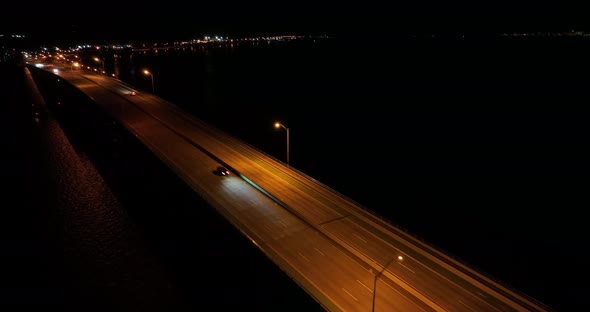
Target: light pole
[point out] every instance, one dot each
(101, 62)
(147, 72)
(400, 258)
(280, 125)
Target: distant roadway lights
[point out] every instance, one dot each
(280, 125)
(147, 72)
(101, 62)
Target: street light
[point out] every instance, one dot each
(399, 258)
(101, 62)
(147, 72)
(280, 125)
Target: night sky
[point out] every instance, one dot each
(182, 20)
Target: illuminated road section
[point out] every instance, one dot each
(346, 258)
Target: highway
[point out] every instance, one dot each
(345, 257)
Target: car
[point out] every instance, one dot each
(222, 171)
(133, 93)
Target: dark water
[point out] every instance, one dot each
(478, 146)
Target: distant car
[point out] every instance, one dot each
(133, 93)
(222, 171)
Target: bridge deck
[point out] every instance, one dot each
(341, 254)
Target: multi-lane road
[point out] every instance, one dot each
(341, 254)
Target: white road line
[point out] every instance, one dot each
(407, 267)
(359, 237)
(480, 294)
(321, 253)
(304, 257)
(353, 297)
(470, 308)
(408, 298)
(369, 289)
